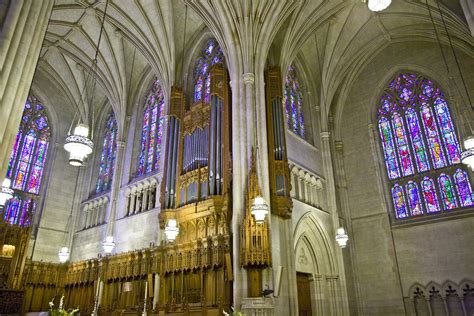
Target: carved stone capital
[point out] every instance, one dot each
(325, 135)
(249, 78)
(339, 146)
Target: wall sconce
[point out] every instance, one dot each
(171, 230)
(341, 237)
(63, 254)
(259, 209)
(108, 245)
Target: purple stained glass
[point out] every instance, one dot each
(211, 55)
(23, 167)
(447, 130)
(429, 195)
(28, 157)
(391, 162)
(399, 202)
(402, 145)
(26, 212)
(447, 192)
(107, 157)
(431, 132)
(34, 180)
(12, 210)
(13, 155)
(418, 144)
(41, 123)
(293, 102)
(152, 131)
(414, 201)
(463, 187)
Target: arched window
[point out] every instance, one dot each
(418, 137)
(27, 162)
(293, 101)
(107, 157)
(211, 55)
(152, 130)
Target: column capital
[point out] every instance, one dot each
(249, 78)
(121, 144)
(339, 145)
(325, 135)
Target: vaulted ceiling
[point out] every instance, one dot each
(333, 39)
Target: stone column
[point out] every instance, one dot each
(116, 180)
(468, 9)
(332, 208)
(146, 192)
(21, 38)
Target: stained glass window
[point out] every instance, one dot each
(429, 195)
(152, 131)
(399, 201)
(107, 157)
(463, 187)
(27, 162)
(417, 135)
(211, 55)
(293, 101)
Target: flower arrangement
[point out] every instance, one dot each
(60, 311)
(235, 312)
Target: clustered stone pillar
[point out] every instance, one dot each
(116, 180)
(21, 38)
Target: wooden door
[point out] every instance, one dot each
(304, 294)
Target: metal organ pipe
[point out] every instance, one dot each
(212, 144)
(174, 162)
(218, 146)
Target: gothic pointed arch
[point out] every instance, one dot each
(108, 154)
(27, 162)
(421, 149)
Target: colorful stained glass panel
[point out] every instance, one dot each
(399, 202)
(429, 195)
(414, 200)
(447, 192)
(464, 189)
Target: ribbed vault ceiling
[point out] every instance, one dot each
(333, 39)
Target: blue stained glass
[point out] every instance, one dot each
(447, 130)
(414, 200)
(431, 132)
(429, 195)
(293, 103)
(402, 145)
(12, 210)
(399, 202)
(447, 192)
(211, 55)
(464, 189)
(421, 133)
(389, 148)
(107, 157)
(152, 131)
(418, 144)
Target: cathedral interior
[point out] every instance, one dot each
(237, 157)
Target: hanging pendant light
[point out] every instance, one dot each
(79, 145)
(467, 156)
(6, 192)
(378, 5)
(108, 245)
(63, 254)
(259, 209)
(171, 230)
(341, 237)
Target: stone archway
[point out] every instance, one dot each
(315, 265)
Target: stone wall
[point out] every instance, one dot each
(428, 251)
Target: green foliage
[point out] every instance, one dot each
(60, 311)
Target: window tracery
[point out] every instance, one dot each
(421, 150)
(211, 55)
(27, 162)
(293, 101)
(107, 157)
(152, 131)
